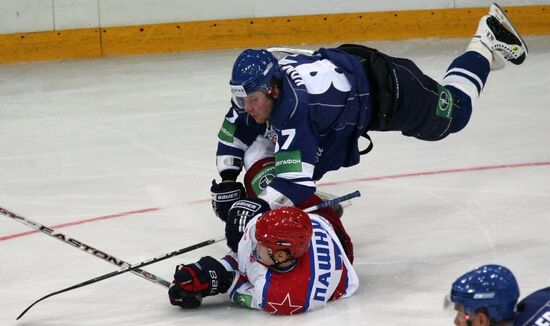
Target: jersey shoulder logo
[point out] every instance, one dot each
(227, 131)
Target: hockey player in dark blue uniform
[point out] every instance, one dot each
(484, 296)
(295, 118)
(487, 296)
(534, 310)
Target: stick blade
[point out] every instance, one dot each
(32, 305)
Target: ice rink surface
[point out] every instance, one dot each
(119, 153)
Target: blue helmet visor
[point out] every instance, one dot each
(238, 95)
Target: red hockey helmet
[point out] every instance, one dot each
(285, 228)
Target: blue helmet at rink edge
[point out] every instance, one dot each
(253, 70)
(492, 287)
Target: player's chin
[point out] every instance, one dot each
(259, 120)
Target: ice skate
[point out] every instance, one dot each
(497, 33)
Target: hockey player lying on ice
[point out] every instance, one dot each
(287, 262)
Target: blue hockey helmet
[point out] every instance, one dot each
(534, 307)
(492, 287)
(253, 70)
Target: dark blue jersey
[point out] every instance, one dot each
(323, 108)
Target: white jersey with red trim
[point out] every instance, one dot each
(323, 274)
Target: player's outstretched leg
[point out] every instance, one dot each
(495, 41)
(497, 33)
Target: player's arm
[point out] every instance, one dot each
(246, 294)
(234, 137)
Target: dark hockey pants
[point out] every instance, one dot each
(406, 100)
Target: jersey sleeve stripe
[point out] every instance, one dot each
(231, 262)
(312, 277)
(239, 282)
(266, 289)
(237, 143)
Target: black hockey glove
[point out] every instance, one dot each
(224, 195)
(184, 299)
(238, 217)
(206, 277)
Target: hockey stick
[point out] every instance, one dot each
(128, 269)
(333, 201)
(84, 247)
(176, 253)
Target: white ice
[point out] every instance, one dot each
(91, 138)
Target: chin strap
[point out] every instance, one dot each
(278, 263)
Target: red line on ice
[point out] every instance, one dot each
(358, 180)
(428, 173)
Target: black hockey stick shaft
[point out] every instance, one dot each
(84, 247)
(176, 253)
(127, 269)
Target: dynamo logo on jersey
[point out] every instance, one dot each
(271, 135)
(445, 103)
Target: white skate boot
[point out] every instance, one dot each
(496, 11)
(497, 33)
